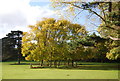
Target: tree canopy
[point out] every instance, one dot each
(52, 39)
(48, 39)
(108, 14)
(12, 43)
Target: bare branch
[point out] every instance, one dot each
(113, 38)
(90, 16)
(85, 9)
(103, 13)
(77, 14)
(93, 24)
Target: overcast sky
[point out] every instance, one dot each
(18, 14)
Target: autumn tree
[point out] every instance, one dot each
(108, 14)
(47, 39)
(114, 52)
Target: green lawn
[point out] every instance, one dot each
(24, 72)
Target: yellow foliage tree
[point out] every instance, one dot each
(47, 39)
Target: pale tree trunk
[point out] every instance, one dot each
(50, 63)
(113, 38)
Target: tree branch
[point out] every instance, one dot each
(77, 14)
(103, 13)
(91, 11)
(71, 3)
(113, 38)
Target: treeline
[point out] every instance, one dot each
(60, 40)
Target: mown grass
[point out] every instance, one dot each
(86, 70)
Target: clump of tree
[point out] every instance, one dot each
(92, 48)
(11, 46)
(48, 40)
(53, 40)
(109, 14)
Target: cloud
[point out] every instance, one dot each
(40, 0)
(18, 14)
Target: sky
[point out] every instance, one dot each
(18, 14)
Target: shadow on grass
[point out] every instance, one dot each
(20, 64)
(79, 67)
(114, 67)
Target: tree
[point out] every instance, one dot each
(109, 14)
(8, 50)
(93, 48)
(11, 46)
(114, 54)
(47, 39)
(113, 49)
(110, 28)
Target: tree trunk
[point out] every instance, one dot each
(68, 62)
(55, 64)
(50, 63)
(19, 55)
(64, 63)
(19, 48)
(110, 6)
(51, 59)
(18, 58)
(47, 63)
(59, 63)
(72, 63)
(42, 63)
(30, 65)
(75, 64)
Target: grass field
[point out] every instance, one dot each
(86, 71)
